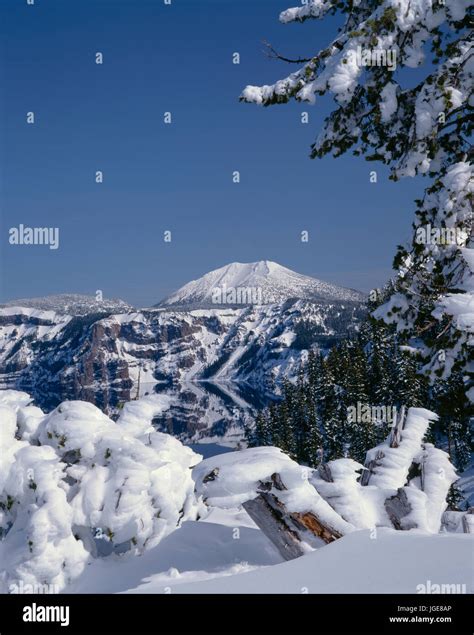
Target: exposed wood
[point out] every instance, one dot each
(277, 482)
(397, 508)
(211, 476)
(468, 521)
(271, 521)
(324, 472)
(370, 467)
(286, 530)
(396, 434)
(313, 524)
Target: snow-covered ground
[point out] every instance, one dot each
(206, 557)
(225, 543)
(90, 505)
(392, 562)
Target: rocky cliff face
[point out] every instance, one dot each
(109, 360)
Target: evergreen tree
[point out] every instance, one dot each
(260, 433)
(456, 417)
(454, 498)
(423, 127)
(410, 387)
(335, 424)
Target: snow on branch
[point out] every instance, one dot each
(358, 68)
(312, 9)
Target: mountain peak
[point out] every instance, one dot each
(261, 282)
(71, 304)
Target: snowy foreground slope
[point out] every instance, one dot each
(91, 505)
(392, 562)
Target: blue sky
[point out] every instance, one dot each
(175, 177)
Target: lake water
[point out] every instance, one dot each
(209, 413)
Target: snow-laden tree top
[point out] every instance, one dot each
(393, 34)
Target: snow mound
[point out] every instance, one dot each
(392, 471)
(74, 485)
(231, 479)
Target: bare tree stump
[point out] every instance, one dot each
(369, 468)
(398, 507)
(396, 434)
(270, 520)
(468, 521)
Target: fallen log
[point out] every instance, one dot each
(282, 502)
(287, 530)
(271, 521)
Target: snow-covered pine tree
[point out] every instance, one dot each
(312, 442)
(416, 123)
(274, 436)
(317, 381)
(260, 433)
(454, 498)
(410, 387)
(355, 384)
(377, 339)
(312, 366)
(336, 439)
(307, 419)
(455, 421)
(433, 304)
(285, 421)
(351, 359)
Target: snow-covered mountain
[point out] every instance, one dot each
(108, 360)
(263, 282)
(71, 304)
(75, 347)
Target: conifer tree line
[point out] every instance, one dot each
(312, 420)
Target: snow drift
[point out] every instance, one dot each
(75, 485)
(80, 493)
